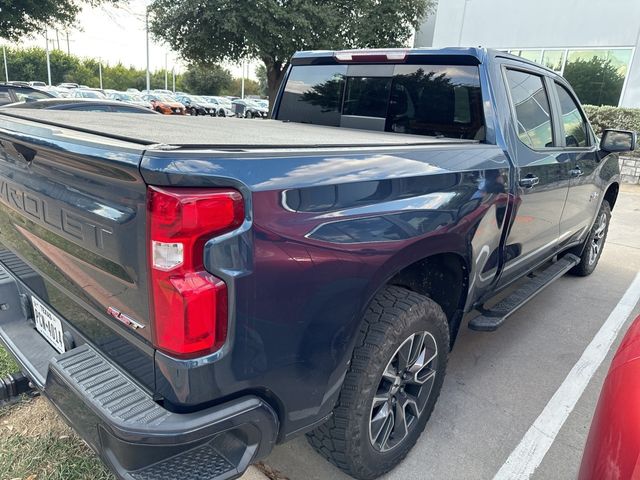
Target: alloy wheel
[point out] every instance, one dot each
(597, 239)
(403, 392)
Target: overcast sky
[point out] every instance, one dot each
(116, 35)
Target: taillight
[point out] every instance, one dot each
(189, 305)
(371, 55)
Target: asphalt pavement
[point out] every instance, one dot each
(498, 383)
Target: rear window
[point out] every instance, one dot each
(437, 100)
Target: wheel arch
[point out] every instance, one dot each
(442, 277)
(611, 194)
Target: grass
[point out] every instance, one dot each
(7, 365)
(36, 444)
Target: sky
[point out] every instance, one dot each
(117, 35)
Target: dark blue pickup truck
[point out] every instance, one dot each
(189, 293)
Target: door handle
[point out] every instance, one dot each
(529, 181)
(576, 172)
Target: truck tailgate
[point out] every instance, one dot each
(72, 230)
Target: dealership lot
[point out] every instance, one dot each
(498, 383)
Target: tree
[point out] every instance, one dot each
(595, 81)
(271, 31)
(251, 87)
(207, 79)
(261, 73)
(21, 17)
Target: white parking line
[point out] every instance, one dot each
(529, 453)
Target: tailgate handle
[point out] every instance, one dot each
(19, 150)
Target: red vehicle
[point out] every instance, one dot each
(613, 445)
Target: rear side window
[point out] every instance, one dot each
(574, 124)
(532, 110)
(438, 100)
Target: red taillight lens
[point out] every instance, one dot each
(189, 304)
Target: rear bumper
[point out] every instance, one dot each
(134, 435)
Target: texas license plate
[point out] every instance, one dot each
(48, 324)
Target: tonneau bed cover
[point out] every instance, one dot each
(214, 132)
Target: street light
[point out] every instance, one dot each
(147, 28)
(6, 69)
(46, 39)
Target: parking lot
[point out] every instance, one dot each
(499, 383)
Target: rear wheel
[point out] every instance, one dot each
(593, 246)
(391, 387)
(221, 113)
(249, 115)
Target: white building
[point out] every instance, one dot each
(593, 43)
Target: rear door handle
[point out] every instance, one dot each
(576, 172)
(529, 181)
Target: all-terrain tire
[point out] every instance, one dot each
(394, 315)
(597, 236)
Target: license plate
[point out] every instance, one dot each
(48, 324)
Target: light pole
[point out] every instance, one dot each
(6, 69)
(147, 28)
(173, 74)
(166, 72)
(46, 39)
(242, 84)
(100, 73)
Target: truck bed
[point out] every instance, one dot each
(214, 132)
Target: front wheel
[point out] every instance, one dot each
(594, 244)
(249, 115)
(391, 387)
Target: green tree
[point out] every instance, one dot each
(24, 17)
(251, 87)
(207, 79)
(30, 64)
(261, 73)
(271, 31)
(595, 81)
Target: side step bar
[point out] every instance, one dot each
(490, 320)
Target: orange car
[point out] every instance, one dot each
(166, 105)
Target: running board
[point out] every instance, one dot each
(490, 320)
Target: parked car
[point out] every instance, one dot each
(87, 93)
(81, 104)
(197, 105)
(261, 102)
(613, 444)
(37, 84)
(223, 105)
(68, 85)
(161, 91)
(11, 93)
(133, 90)
(165, 104)
(130, 98)
(249, 109)
(259, 283)
(18, 83)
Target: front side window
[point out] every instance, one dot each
(575, 126)
(531, 104)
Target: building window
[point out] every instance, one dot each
(597, 75)
(554, 59)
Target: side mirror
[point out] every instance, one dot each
(618, 141)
